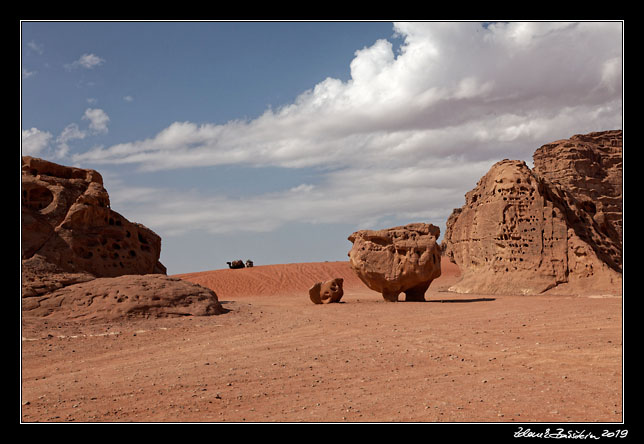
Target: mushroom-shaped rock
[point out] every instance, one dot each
(399, 259)
(327, 292)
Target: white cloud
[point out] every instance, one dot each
(98, 119)
(71, 132)
(37, 48)
(128, 98)
(447, 75)
(34, 141)
(365, 197)
(408, 133)
(87, 61)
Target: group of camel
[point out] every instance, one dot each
(240, 264)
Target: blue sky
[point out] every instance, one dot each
(273, 141)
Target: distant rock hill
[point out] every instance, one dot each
(71, 236)
(556, 228)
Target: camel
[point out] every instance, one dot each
(236, 264)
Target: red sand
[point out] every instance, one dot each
(277, 357)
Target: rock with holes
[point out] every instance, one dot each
(130, 296)
(83, 261)
(396, 260)
(327, 292)
(68, 224)
(519, 233)
(66, 217)
(590, 167)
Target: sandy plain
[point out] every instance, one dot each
(274, 356)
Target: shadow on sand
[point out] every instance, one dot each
(462, 300)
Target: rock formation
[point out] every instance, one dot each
(400, 259)
(590, 167)
(327, 292)
(520, 233)
(70, 235)
(66, 218)
(106, 299)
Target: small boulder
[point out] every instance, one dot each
(327, 292)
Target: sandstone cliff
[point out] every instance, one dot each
(590, 167)
(519, 232)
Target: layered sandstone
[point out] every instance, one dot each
(70, 235)
(590, 167)
(520, 233)
(396, 260)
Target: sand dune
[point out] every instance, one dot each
(288, 279)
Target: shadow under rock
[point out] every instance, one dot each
(462, 300)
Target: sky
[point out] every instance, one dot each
(274, 141)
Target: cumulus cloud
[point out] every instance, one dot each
(98, 119)
(447, 77)
(71, 132)
(34, 141)
(37, 142)
(409, 130)
(87, 61)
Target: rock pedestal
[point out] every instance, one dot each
(404, 259)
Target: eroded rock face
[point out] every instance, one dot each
(521, 234)
(107, 299)
(66, 218)
(327, 292)
(590, 167)
(80, 259)
(394, 260)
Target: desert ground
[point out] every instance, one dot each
(274, 356)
